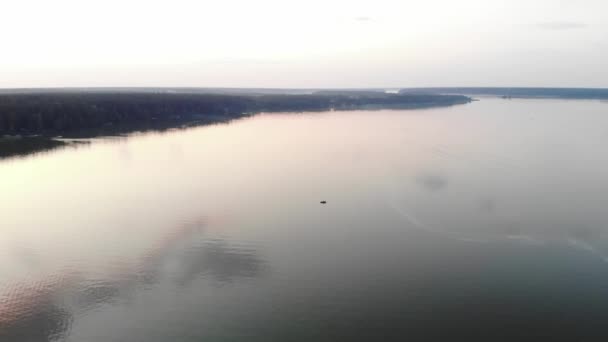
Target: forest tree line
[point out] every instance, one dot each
(65, 113)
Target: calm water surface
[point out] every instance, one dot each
(484, 222)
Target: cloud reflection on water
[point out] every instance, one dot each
(43, 311)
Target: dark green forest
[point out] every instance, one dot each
(90, 114)
(13, 146)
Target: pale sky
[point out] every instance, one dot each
(313, 43)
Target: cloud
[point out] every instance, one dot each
(561, 25)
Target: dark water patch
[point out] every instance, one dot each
(432, 181)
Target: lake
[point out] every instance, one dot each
(478, 222)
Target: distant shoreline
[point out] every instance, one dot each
(515, 92)
(29, 122)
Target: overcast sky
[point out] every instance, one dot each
(313, 43)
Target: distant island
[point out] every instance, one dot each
(30, 120)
